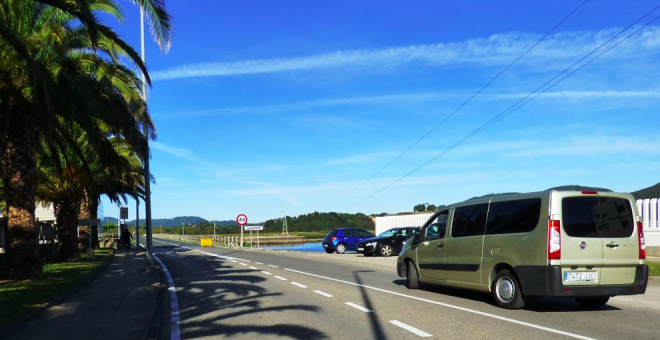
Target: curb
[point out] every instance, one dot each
(155, 324)
(13, 325)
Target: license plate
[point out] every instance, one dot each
(360, 249)
(580, 277)
(325, 246)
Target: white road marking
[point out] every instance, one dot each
(522, 323)
(358, 307)
(265, 272)
(242, 264)
(258, 263)
(270, 265)
(298, 284)
(255, 268)
(233, 261)
(411, 328)
(175, 332)
(322, 293)
(281, 278)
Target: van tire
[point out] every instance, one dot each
(412, 281)
(340, 248)
(592, 302)
(506, 291)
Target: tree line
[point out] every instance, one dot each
(74, 125)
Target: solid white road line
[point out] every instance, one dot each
(410, 328)
(298, 284)
(522, 323)
(358, 307)
(281, 278)
(265, 272)
(322, 293)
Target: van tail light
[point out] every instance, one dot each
(642, 242)
(554, 240)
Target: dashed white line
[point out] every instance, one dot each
(464, 309)
(281, 278)
(243, 264)
(255, 268)
(265, 272)
(298, 284)
(258, 263)
(270, 265)
(323, 293)
(358, 307)
(233, 261)
(410, 328)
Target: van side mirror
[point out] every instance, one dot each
(418, 237)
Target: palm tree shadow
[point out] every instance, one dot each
(216, 297)
(377, 328)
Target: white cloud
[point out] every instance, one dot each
(495, 50)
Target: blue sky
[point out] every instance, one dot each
(261, 105)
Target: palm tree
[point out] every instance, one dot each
(39, 82)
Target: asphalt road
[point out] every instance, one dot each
(265, 294)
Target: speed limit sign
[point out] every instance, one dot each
(241, 219)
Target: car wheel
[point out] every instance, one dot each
(329, 251)
(507, 292)
(341, 248)
(365, 254)
(386, 250)
(593, 302)
(412, 276)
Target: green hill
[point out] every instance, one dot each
(650, 192)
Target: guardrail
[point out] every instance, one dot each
(235, 240)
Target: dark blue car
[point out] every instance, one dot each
(343, 239)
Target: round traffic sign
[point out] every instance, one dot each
(241, 219)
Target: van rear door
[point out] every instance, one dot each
(598, 242)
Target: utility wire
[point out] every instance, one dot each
(531, 96)
(460, 106)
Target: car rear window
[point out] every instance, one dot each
(609, 217)
(332, 233)
(519, 216)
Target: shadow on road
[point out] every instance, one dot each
(376, 327)
(215, 298)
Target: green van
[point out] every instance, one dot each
(586, 245)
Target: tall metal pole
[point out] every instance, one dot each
(147, 177)
(137, 222)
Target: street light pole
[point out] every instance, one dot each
(147, 177)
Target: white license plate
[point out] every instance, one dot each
(580, 277)
(360, 249)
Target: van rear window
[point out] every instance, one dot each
(519, 216)
(609, 217)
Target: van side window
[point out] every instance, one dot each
(469, 220)
(437, 229)
(509, 217)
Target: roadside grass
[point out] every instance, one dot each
(58, 279)
(654, 268)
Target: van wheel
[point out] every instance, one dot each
(593, 302)
(412, 276)
(341, 248)
(386, 250)
(507, 292)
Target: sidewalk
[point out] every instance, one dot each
(119, 304)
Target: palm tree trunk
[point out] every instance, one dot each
(89, 209)
(66, 215)
(20, 181)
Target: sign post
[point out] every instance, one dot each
(241, 219)
(257, 228)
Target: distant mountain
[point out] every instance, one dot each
(650, 192)
(177, 221)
